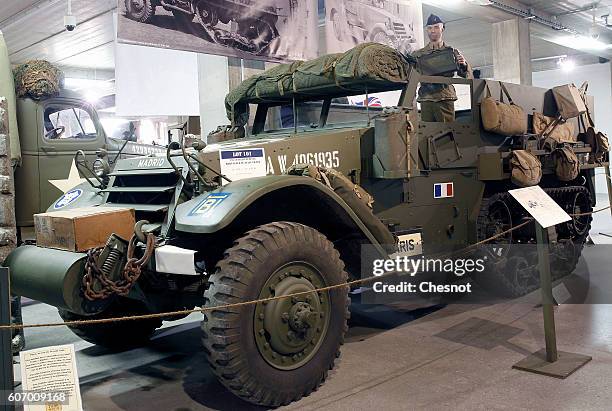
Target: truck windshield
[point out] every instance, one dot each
(343, 112)
(62, 122)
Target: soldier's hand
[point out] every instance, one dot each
(461, 60)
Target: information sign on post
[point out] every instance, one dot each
(547, 214)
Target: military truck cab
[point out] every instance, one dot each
(51, 132)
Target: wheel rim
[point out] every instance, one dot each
(289, 331)
(500, 221)
(520, 273)
(580, 205)
(207, 16)
(137, 5)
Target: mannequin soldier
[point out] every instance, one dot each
(438, 100)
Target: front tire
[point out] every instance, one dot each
(141, 11)
(121, 335)
(276, 352)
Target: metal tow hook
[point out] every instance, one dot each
(140, 235)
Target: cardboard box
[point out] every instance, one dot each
(80, 229)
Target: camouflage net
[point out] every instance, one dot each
(38, 79)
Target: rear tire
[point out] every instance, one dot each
(275, 353)
(119, 335)
(141, 11)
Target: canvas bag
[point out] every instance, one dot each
(567, 167)
(569, 101)
(526, 169)
(501, 118)
(561, 133)
(599, 142)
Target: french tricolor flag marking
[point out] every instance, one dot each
(444, 190)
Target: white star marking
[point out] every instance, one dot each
(73, 180)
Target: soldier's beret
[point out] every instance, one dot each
(433, 19)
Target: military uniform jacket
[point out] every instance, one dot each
(440, 92)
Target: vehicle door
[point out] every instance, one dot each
(66, 126)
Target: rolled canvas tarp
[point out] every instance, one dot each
(7, 90)
(369, 66)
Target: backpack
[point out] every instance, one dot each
(567, 167)
(526, 169)
(600, 145)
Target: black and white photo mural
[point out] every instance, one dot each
(396, 23)
(271, 30)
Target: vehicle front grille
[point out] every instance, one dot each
(149, 192)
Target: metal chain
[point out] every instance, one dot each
(130, 272)
(260, 301)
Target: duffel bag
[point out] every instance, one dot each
(526, 169)
(567, 167)
(501, 118)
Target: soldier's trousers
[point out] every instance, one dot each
(438, 111)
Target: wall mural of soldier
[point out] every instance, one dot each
(396, 23)
(271, 30)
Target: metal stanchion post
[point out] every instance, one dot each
(7, 383)
(549, 361)
(550, 333)
(609, 182)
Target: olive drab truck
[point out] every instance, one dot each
(50, 138)
(261, 211)
(51, 131)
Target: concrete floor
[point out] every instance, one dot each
(442, 357)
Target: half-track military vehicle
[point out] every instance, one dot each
(248, 223)
(256, 20)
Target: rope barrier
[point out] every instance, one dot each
(263, 300)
